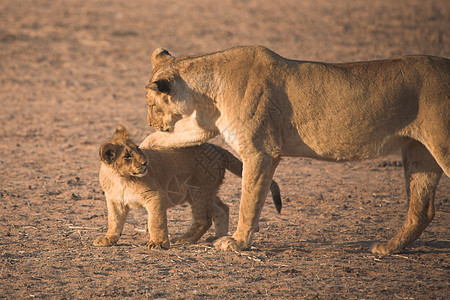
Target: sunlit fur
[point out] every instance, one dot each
(157, 179)
(266, 107)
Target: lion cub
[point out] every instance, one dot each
(158, 179)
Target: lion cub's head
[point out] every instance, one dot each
(123, 155)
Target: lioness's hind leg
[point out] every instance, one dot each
(438, 142)
(422, 175)
(442, 156)
(220, 217)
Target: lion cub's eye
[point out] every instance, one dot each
(128, 156)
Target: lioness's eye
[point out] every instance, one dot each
(127, 156)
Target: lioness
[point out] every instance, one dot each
(157, 180)
(267, 106)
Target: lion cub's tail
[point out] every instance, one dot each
(234, 165)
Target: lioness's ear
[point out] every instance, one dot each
(160, 55)
(162, 86)
(109, 153)
(121, 133)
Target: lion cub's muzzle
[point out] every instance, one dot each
(143, 168)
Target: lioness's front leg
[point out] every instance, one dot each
(157, 224)
(117, 214)
(185, 134)
(256, 179)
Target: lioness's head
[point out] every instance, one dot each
(167, 93)
(123, 155)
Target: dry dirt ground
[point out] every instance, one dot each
(70, 71)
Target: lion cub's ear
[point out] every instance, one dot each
(160, 55)
(110, 152)
(121, 133)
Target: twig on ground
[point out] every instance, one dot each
(83, 228)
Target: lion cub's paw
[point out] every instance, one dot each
(158, 245)
(227, 243)
(383, 249)
(103, 241)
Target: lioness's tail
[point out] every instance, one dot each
(234, 165)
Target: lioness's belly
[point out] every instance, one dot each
(336, 115)
(333, 148)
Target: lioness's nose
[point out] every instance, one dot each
(149, 118)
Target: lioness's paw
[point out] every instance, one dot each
(227, 243)
(156, 140)
(157, 245)
(102, 242)
(383, 249)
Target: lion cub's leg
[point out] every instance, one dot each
(200, 224)
(220, 217)
(157, 224)
(117, 214)
(422, 177)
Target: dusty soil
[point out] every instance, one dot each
(70, 71)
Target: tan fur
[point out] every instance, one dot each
(156, 180)
(266, 106)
